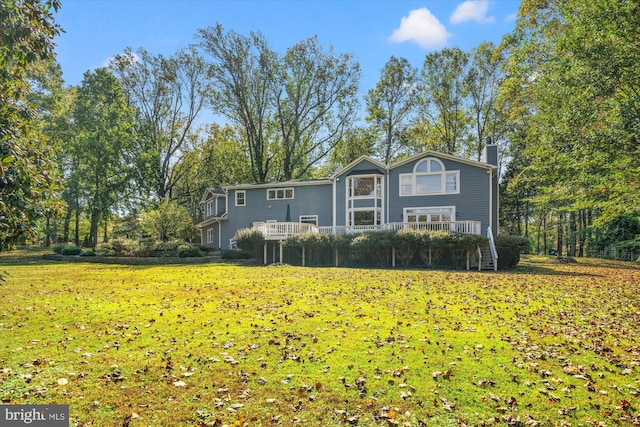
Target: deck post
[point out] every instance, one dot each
(468, 260)
(265, 252)
(393, 256)
(280, 251)
(336, 257)
(303, 256)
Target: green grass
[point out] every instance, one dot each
(217, 344)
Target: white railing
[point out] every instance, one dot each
(465, 227)
(492, 246)
(283, 230)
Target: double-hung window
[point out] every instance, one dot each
(241, 197)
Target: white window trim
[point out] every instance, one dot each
(375, 211)
(284, 193)
(451, 209)
(369, 196)
(302, 218)
(415, 174)
(244, 194)
(348, 198)
(209, 235)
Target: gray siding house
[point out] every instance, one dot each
(430, 191)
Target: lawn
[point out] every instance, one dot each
(222, 344)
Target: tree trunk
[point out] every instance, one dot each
(47, 239)
(67, 222)
(93, 231)
(105, 238)
(560, 234)
(77, 230)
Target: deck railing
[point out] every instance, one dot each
(283, 230)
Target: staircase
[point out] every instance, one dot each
(488, 254)
(486, 259)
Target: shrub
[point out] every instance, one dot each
(71, 250)
(250, 240)
(186, 251)
(509, 249)
(317, 247)
(59, 247)
(234, 254)
(375, 244)
(119, 247)
(407, 242)
(168, 221)
(90, 252)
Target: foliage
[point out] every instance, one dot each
(58, 248)
(250, 240)
(572, 92)
(291, 110)
(103, 137)
(167, 221)
(391, 105)
(27, 172)
(623, 227)
(317, 247)
(125, 248)
(188, 251)
(234, 254)
(167, 94)
(509, 249)
(316, 346)
(71, 250)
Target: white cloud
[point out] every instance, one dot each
(422, 28)
(471, 10)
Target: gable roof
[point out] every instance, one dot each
(213, 192)
(356, 162)
(431, 153)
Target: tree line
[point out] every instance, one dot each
(560, 95)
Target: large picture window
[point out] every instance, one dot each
(365, 217)
(429, 177)
(366, 186)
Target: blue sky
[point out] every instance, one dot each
(373, 30)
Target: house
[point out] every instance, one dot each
(429, 190)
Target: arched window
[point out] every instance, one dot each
(429, 177)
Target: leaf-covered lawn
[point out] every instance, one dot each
(213, 345)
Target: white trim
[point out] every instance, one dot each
(334, 201)
(451, 209)
(303, 218)
(443, 174)
(490, 199)
(235, 197)
(430, 153)
(209, 236)
(284, 193)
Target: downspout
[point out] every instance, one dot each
(491, 199)
(334, 203)
(387, 191)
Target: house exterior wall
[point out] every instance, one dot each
(307, 200)
(365, 167)
(476, 197)
(471, 202)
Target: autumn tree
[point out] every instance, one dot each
(167, 94)
(443, 117)
(391, 105)
(103, 140)
(315, 102)
(243, 73)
